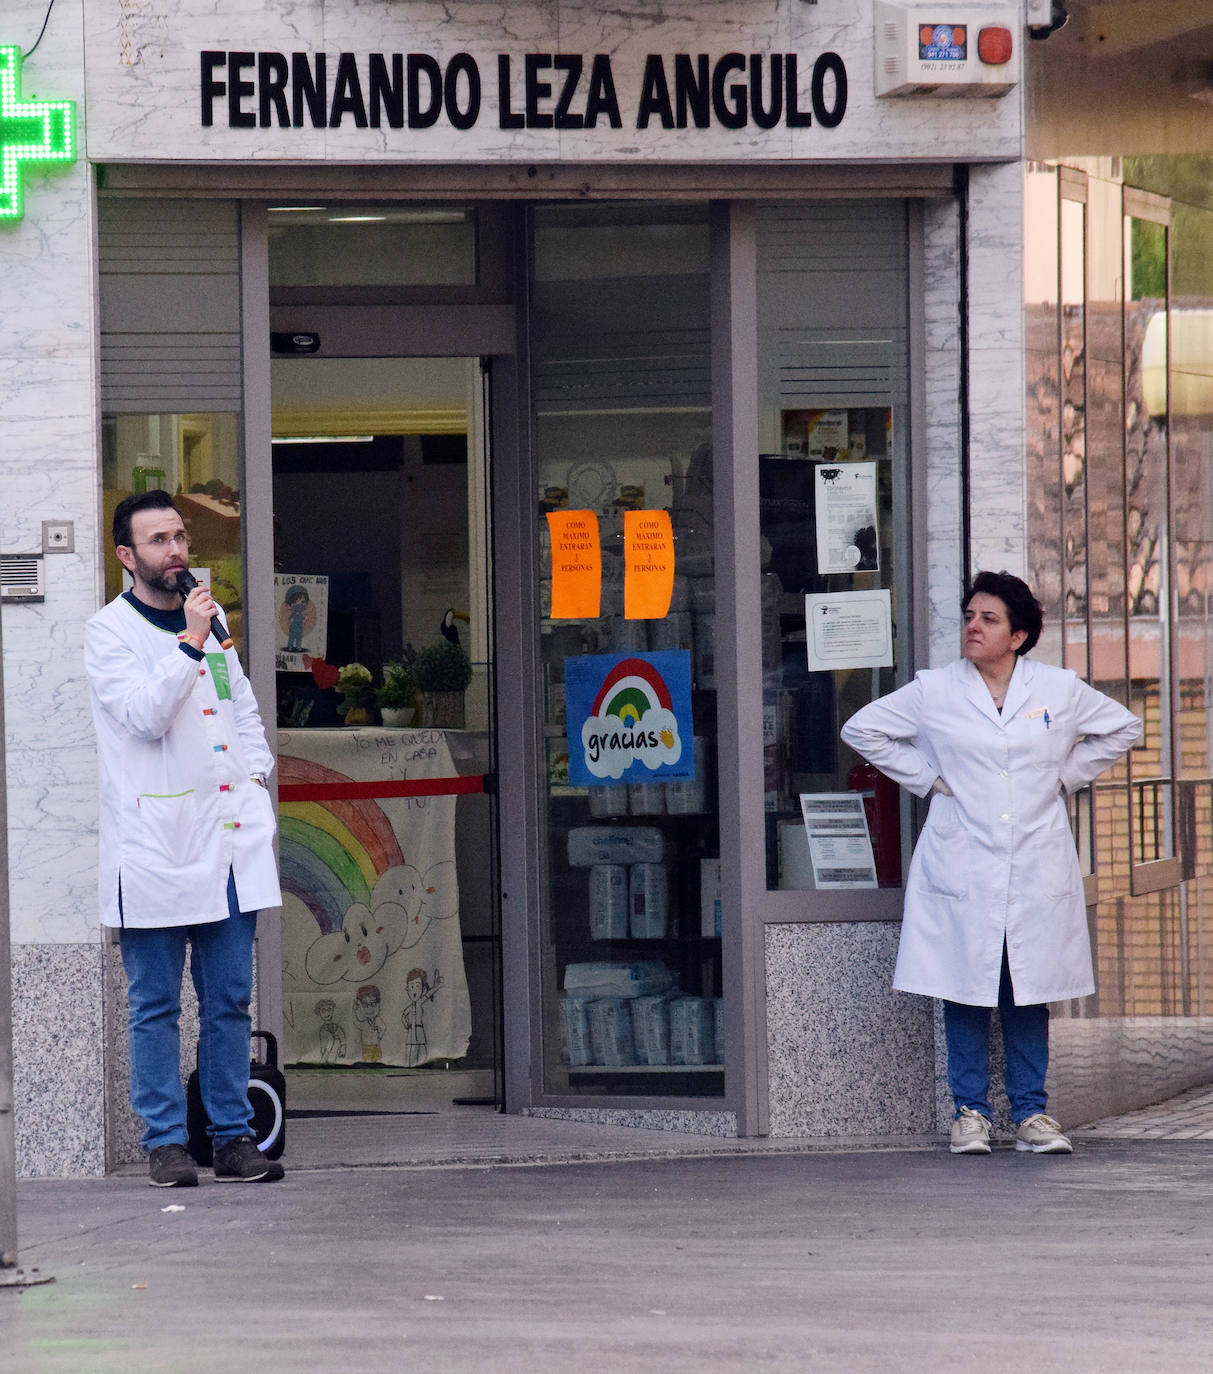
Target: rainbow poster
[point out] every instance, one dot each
(372, 947)
(629, 718)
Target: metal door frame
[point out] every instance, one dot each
(483, 329)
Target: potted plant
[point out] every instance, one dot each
(442, 671)
(354, 687)
(397, 697)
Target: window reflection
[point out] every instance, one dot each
(831, 367)
(1148, 528)
(632, 918)
(196, 458)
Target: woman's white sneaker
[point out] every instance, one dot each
(1042, 1135)
(970, 1133)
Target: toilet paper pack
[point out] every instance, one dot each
(609, 901)
(610, 844)
(600, 979)
(576, 1046)
(651, 1029)
(692, 1038)
(648, 901)
(611, 1031)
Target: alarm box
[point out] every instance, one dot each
(946, 50)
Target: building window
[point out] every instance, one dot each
(832, 368)
(631, 925)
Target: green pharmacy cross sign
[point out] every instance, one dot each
(31, 131)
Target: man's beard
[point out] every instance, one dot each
(165, 581)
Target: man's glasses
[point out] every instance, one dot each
(164, 541)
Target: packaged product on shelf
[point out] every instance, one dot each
(690, 795)
(609, 801)
(608, 902)
(691, 1031)
(774, 779)
(709, 897)
(649, 902)
(611, 1036)
(718, 1029)
(827, 437)
(646, 798)
(772, 631)
(575, 1044)
(705, 652)
(642, 978)
(557, 713)
(615, 844)
(651, 1029)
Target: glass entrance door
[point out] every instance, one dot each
(384, 712)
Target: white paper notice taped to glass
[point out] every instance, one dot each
(847, 539)
(849, 630)
(840, 847)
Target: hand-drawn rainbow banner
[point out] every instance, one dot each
(629, 718)
(332, 853)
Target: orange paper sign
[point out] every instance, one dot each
(648, 564)
(576, 564)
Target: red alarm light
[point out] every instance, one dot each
(994, 45)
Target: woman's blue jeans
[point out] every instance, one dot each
(221, 961)
(1025, 1039)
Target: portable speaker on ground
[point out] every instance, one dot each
(267, 1097)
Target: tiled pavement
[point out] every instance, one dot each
(1186, 1117)
(461, 1137)
(479, 1136)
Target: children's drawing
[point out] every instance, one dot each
(373, 952)
(332, 1036)
(301, 602)
(367, 1001)
(421, 989)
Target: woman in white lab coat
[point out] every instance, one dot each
(994, 910)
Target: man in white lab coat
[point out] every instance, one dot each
(994, 910)
(186, 839)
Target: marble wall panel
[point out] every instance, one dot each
(58, 1059)
(846, 1054)
(941, 386)
(49, 466)
(143, 72)
(996, 370)
(692, 1123)
(900, 127)
(145, 103)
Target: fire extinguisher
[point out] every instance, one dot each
(883, 807)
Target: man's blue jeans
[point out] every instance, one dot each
(1025, 1038)
(221, 961)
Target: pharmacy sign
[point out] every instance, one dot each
(31, 132)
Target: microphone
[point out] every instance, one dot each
(186, 582)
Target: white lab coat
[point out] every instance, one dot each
(178, 808)
(996, 860)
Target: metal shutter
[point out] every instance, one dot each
(170, 306)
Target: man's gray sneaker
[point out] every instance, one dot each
(169, 1166)
(240, 1161)
(970, 1133)
(1042, 1135)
